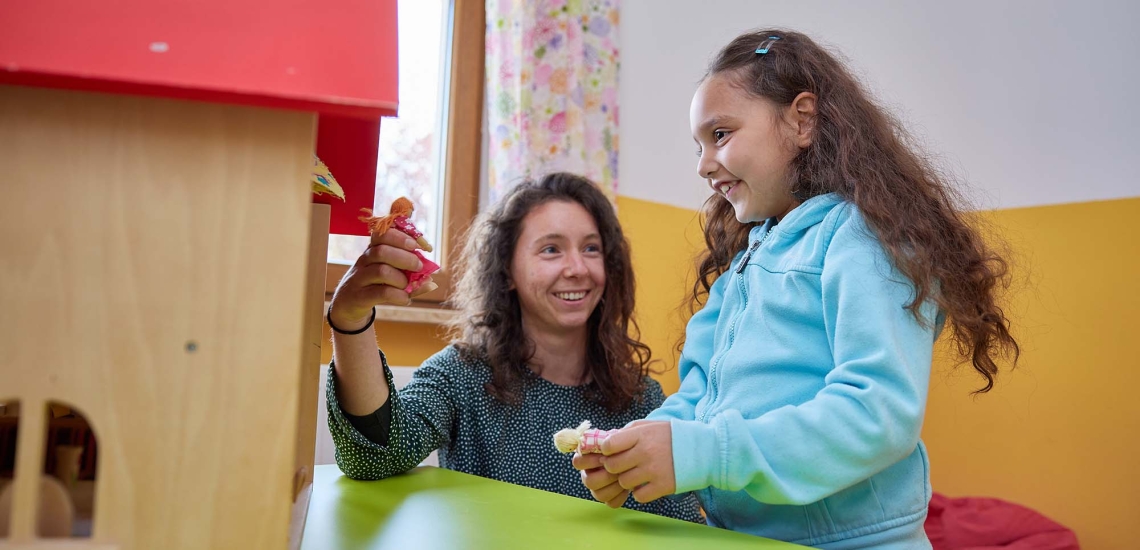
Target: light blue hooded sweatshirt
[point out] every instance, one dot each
(803, 387)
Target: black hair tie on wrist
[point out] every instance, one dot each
(328, 317)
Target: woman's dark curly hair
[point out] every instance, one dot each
(489, 326)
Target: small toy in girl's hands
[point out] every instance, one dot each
(583, 439)
(398, 217)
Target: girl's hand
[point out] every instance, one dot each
(376, 278)
(603, 485)
(641, 456)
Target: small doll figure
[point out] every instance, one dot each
(583, 439)
(398, 217)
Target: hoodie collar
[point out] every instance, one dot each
(807, 214)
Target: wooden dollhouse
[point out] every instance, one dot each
(163, 258)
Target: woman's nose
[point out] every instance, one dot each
(575, 265)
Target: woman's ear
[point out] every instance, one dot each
(802, 116)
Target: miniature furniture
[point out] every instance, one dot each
(56, 511)
(163, 261)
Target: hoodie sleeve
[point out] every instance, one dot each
(867, 416)
(695, 356)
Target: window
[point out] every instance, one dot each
(431, 152)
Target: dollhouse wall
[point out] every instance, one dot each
(147, 282)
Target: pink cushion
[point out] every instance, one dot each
(989, 523)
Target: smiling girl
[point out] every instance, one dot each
(836, 255)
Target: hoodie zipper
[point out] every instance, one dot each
(735, 320)
(748, 255)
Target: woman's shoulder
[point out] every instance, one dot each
(457, 365)
(651, 397)
(652, 392)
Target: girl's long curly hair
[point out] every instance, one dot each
(489, 326)
(864, 155)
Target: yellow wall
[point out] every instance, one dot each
(664, 241)
(404, 344)
(1059, 433)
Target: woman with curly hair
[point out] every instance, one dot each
(543, 341)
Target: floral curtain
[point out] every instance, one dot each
(552, 70)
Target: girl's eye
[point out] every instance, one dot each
(699, 153)
(719, 134)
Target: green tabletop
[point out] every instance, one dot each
(430, 508)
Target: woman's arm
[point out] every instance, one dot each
(376, 278)
(422, 416)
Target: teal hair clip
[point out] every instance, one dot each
(765, 45)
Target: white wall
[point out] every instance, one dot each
(1032, 101)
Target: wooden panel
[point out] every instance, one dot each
(338, 60)
(310, 370)
(59, 544)
(154, 263)
(29, 458)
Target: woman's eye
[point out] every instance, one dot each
(594, 248)
(549, 249)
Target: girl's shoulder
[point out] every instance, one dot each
(800, 242)
(847, 228)
(822, 217)
(845, 217)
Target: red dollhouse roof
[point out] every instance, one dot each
(334, 57)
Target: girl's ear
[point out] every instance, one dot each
(802, 116)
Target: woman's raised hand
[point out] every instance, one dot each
(376, 278)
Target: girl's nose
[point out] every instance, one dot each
(706, 166)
